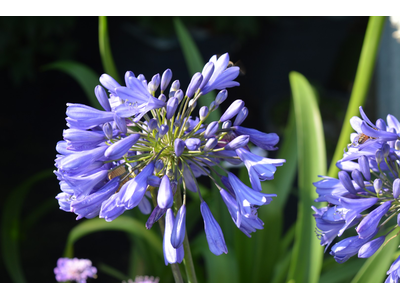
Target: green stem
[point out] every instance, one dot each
(361, 85)
(188, 260)
(176, 272)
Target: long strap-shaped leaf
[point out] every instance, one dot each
(307, 253)
(123, 223)
(194, 62)
(361, 85)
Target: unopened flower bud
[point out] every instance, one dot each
(346, 181)
(178, 231)
(232, 110)
(179, 94)
(193, 143)
(210, 144)
(152, 124)
(207, 73)
(386, 150)
(211, 129)
(241, 116)
(364, 167)
(165, 79)
(380, 124)
(172, 105)
(162, 97)
(153, 181)
(194, 84)
(378, 156)
(163, 130)
(192, 104)
(165, 198)
(174, 87)
(357, 177)
(226, 124)
(203, 112)
(238, 142)
(107, 129)
(102, 97)
(179, 146)
(378, 185)
(396, 188)
(127, 81)
(154, 83)
(120, 148)
(213, 106)
(221, 97)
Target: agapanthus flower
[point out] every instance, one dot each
(74, 269)
(366, 195)
(145, 146)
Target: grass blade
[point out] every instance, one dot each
(307, 253)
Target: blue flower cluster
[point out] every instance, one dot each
(366, 195)
(143, 147)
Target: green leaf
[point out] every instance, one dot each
(307, 253)
(362, 82)
(123, 223)
(375, 268)
(105, 50)
(85, 76)
(194, 62)
(11, 223)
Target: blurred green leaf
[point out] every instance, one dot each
(375, 268)
(10, 225)
(123, 223)
(307, 253)
(85, 76)
(362, 82)
(341, 273)
(194, 62)
(105, 50)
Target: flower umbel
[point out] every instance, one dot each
(366, 193)
(141, 144)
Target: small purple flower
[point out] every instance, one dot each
(165, 79)
(172, 105)
(179, 147)
(74, 269)
(194, 85)
(394, 272)
(165, 198)
(178, 231)
(215, 237)
(232, 110)
(348, 247)
(368, 225)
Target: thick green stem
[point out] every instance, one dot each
(188, 260)
(176, 272)
(361, 85)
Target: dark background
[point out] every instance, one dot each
(324, 49)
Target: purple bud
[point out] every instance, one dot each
(210, 144)
(192, 103)
(221, 97)
(193, 143)
(163, 129)
(153, 180)
(175, 86)
(241, 116)
(144, 206)
(238, 142)
(211, 129)
(162, 97)
(165, 198)
(396, 188)
(378, 156)
(380, 124)
(156, 215)
(152, 124)
(159, 165)
(207, 72)
(371, 247)
(154, 83)
(203, 112)
(172, 105)
(364, 167)
(179, 95)
(346, 181)
(368, 225)
(357, 177)
(226, 124)
(120, 148)
(107, 129)
(214, 235)
(179, 146)
(378, 185)
(165, 79)
(178, 231)
(232, 110)
(102, 97)
(194, 84)
(386, 150)
(171, 255)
